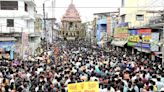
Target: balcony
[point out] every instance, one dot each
(155, 20)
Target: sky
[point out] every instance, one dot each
(86, 8)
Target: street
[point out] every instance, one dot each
(74, 62)
(81, 46)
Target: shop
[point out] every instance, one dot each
(7, 50)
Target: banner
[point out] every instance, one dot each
(84, 87)
(109, 25)
(139, 38)
(146, 35)
(25, 45)
(135, 36)
(154, 43)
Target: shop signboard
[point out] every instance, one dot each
(145, 34)
(121, 32)
(134, 38)
(7, 45)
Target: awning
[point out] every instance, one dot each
(143, 50)
(4, 39)
(34, 35)
(119, 43)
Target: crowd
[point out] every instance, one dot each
(115, 70)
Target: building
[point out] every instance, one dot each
(101, 26)
(157, 38)
(71, 24)
(17, 26)
(134, 12)
(145, 27)
(105, 24)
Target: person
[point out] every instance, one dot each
(114, 71)
(159, 84)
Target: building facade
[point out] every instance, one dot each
(17, 26)
(101, 33)
(135, 12)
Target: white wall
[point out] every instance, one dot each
(23, 21)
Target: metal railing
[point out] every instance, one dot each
(155, 20)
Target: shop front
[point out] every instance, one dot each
(7, 50)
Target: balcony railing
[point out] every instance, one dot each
(156, 20)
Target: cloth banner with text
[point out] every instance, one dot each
(84, 87)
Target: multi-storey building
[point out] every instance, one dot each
(134, 12)
(17, 27)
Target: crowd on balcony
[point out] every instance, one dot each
(116, 71)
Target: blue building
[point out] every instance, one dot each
(101, 28)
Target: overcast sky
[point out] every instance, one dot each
(85, 9)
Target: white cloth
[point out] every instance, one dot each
(112, 89)
(103, 90)
(12, 80)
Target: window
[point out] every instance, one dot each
(9, 5)
(140, 17)
(26, 7)
(10, 22)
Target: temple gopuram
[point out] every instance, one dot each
(71, 25)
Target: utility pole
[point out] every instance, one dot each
(53, 16)
(163, 49)
(45, 31)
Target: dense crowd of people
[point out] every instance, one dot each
(115, 70)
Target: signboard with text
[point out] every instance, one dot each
(84, 87)
(154, 43)
(121, 32)
(138, 37)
